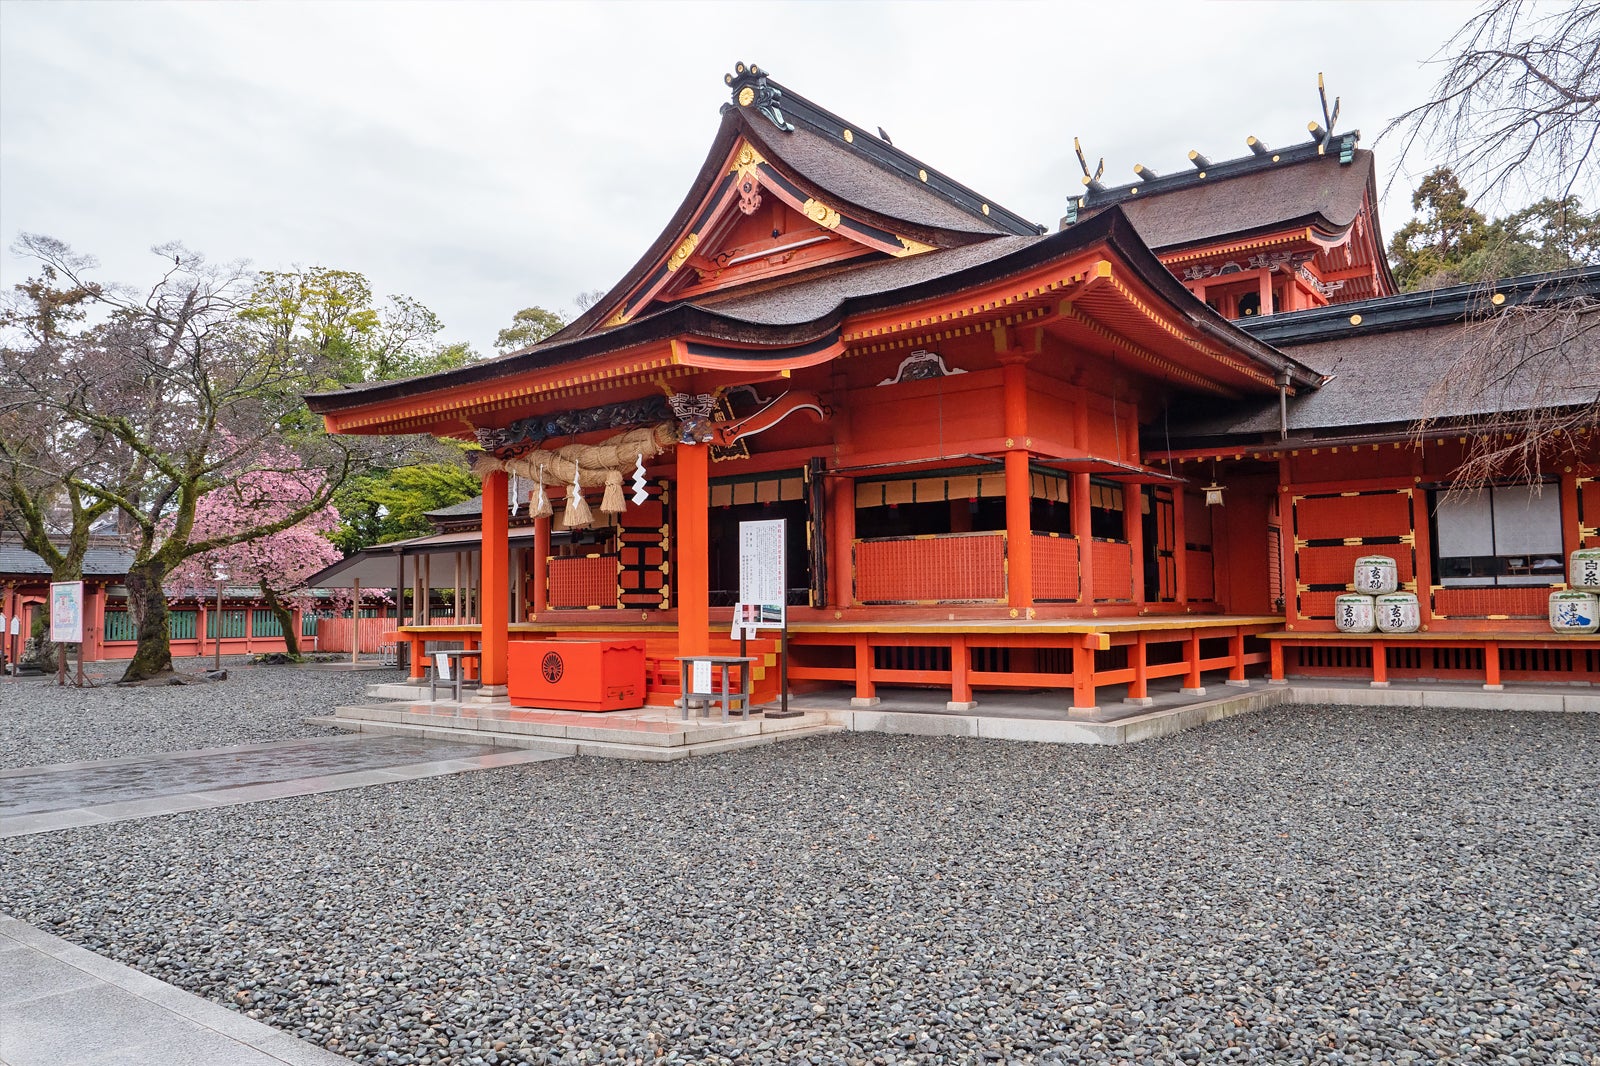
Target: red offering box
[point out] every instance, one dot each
(576, 675)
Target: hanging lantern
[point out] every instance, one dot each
(1213, 493)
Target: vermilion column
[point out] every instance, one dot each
(1019, 493)
(541, 565)
(1080, 529)
(1133, 533)
(693, 556)
(495, 591)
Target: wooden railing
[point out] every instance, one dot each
(1113, 570)
(946, 568)
(1056, 575)
(583, 581)
(1491, 602)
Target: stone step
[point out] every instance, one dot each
(664, 731)
(595, 748)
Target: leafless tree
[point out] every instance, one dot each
(165, 399)
(1528, 377)
(1518, 102)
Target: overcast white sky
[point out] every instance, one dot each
(482, 157)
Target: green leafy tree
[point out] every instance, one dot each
(1450, 242)
(528, 326)
(333, 315)
(405, 494)
(1446, 232)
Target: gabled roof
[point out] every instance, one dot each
(802, 322)
(852, 183)
(1327, 187)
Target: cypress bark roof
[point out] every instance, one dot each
(1385, 356)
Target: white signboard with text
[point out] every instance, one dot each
(66, 612)
(762, 576)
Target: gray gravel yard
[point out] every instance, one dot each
(1300, 885)
(41, 723)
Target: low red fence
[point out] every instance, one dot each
(333, 634)
(1113, 570)
(583, 581)
(1055, 568)
(1492, 602)
(951, 568)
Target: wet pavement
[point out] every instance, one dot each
(44, 798)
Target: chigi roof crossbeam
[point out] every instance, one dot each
(786, 109)
(1203, 171)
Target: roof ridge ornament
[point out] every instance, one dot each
(750, 89)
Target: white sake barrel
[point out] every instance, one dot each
(1376, 574)
(1585, 572)
(1352, 613)
(1397, 612)
(1573, 611)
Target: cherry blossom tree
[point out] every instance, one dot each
(278, 563)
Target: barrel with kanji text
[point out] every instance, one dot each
(1585, 572)
(1574, 611)
(1353, 613)
(1397, 612)
(1376, 575)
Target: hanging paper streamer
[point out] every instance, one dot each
(541, 505)
(577, 514)
(516, 494)
(639, 493)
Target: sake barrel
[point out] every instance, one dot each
(1585, 572)
(1376, 574)
(1397, 612)
(1352, 613)
(1574, 611)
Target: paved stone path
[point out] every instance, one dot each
(40, 799)
(61, 1004)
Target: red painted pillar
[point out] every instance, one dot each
(541, 565)
(1080, 529)
(496, 588)
(692, 561)
(1083, 673)
(866, 691)
(1180, 545)
(1019, 489)
(960, 686)
(1139, 688)
(1191, 683)
(1133, 533)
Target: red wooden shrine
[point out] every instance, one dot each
(992, 443)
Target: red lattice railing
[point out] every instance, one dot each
(583, 581)
(1055, 568)
(954, 568)
(1487, 602)
(1113, 570)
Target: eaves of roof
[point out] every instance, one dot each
(1413, 310)
(1110, 228)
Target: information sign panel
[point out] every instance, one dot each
(762, 576)
(66, 612)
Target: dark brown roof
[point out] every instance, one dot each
(1385, 361)
(865, 177)
(808, 299)
(801, 313)
(1313, 190)
(856, 179)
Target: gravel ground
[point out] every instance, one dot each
(1299, 885)
(43, 723)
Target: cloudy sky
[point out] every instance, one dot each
(485, 157)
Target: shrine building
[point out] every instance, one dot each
(1144, 448)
